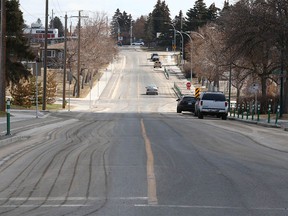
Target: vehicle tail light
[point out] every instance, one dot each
(226, 103)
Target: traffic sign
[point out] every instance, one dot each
(188, 85)
(197, 92)
(174, 47)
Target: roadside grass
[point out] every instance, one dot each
(2, 114)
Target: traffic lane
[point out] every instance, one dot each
(97, 161)
(62, 167)
(206, 169)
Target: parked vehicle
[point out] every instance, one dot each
(137, 44)
(157, 64)
(211, 103)
(186, 103)
(151, 89)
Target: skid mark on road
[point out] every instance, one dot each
(151, 180)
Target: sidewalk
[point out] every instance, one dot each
(85, 104)
(176, 76)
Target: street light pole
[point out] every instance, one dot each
(174, 41)
(182, 56)
(191, 73)
(192, 32)
(3, 57)
(45, 59)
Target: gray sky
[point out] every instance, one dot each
(32, 10)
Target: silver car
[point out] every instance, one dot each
(151, 89)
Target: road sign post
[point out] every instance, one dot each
(253, 110)
(238, 110)
(188, 85)
(247, 112)
(269, 112)
(8, 117)
(258, 112)
(277, 114)
(197, 92)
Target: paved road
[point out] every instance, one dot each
(132, 154)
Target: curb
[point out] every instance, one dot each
(12, 139)
(264, 124)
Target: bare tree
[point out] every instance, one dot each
(97, 48)
(247, 30)
(209, 59)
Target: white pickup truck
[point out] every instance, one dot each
(211, 103)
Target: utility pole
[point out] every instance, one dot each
(52, 20)
(78, 52)
(64, 65)
(3, 57)
(45, 59)
(131, 33)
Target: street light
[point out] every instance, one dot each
(182, 56)
(190, 56)
(174, 42)
(192, 49)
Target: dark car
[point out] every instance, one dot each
(186, 103)
(154, 57)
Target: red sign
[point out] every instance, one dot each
(188, 85)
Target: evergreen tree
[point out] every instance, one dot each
(149, 29)
(212, 13)
(178, 21)
(121, 22)
(17, 48)
(20, 94)
(156, 23)
(197, 16)
(51, 88)
(56, 23)
(161, 15)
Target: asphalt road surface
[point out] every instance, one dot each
(131, 154)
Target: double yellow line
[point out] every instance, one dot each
(151, 179)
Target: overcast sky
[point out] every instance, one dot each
(34, 9)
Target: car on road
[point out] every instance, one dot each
(155, 57)
(157, 64)
(186, 103)
(151, 89)
(211, 103)
(137, 44)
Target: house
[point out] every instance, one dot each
(55, 55)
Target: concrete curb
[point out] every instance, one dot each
(10, 139)
(263, 124)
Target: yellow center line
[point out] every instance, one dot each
(151, 180)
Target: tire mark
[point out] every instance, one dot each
(38, 158)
